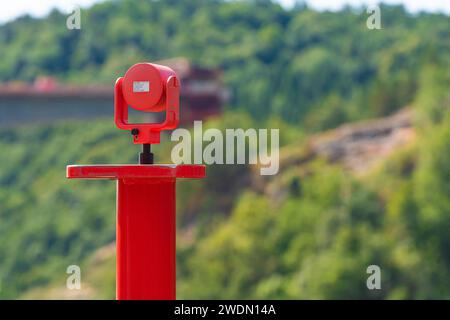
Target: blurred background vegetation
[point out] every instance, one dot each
(308, 232)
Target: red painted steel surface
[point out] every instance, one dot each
(146, 225)
(145, 239)
(135, 171)
(163, 94)
(145, 193)
(152, 98)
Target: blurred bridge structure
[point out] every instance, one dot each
(46, 100)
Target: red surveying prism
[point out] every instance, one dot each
(146, 228)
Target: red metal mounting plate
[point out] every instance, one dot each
(113, 172)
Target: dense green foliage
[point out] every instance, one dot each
(43, 216)
(276, 61)
(288, 69)
(318, 241)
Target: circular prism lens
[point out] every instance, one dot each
(143, 87)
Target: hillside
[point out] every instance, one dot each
(363, 180)
(97, 283)
(359, 148)
(277, 62)
(315, 212)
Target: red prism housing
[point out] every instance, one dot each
(151, 88)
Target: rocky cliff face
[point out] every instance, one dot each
(358, 147)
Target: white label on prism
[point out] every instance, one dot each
(141, 86)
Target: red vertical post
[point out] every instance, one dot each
(146, 225)
(146, 239)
